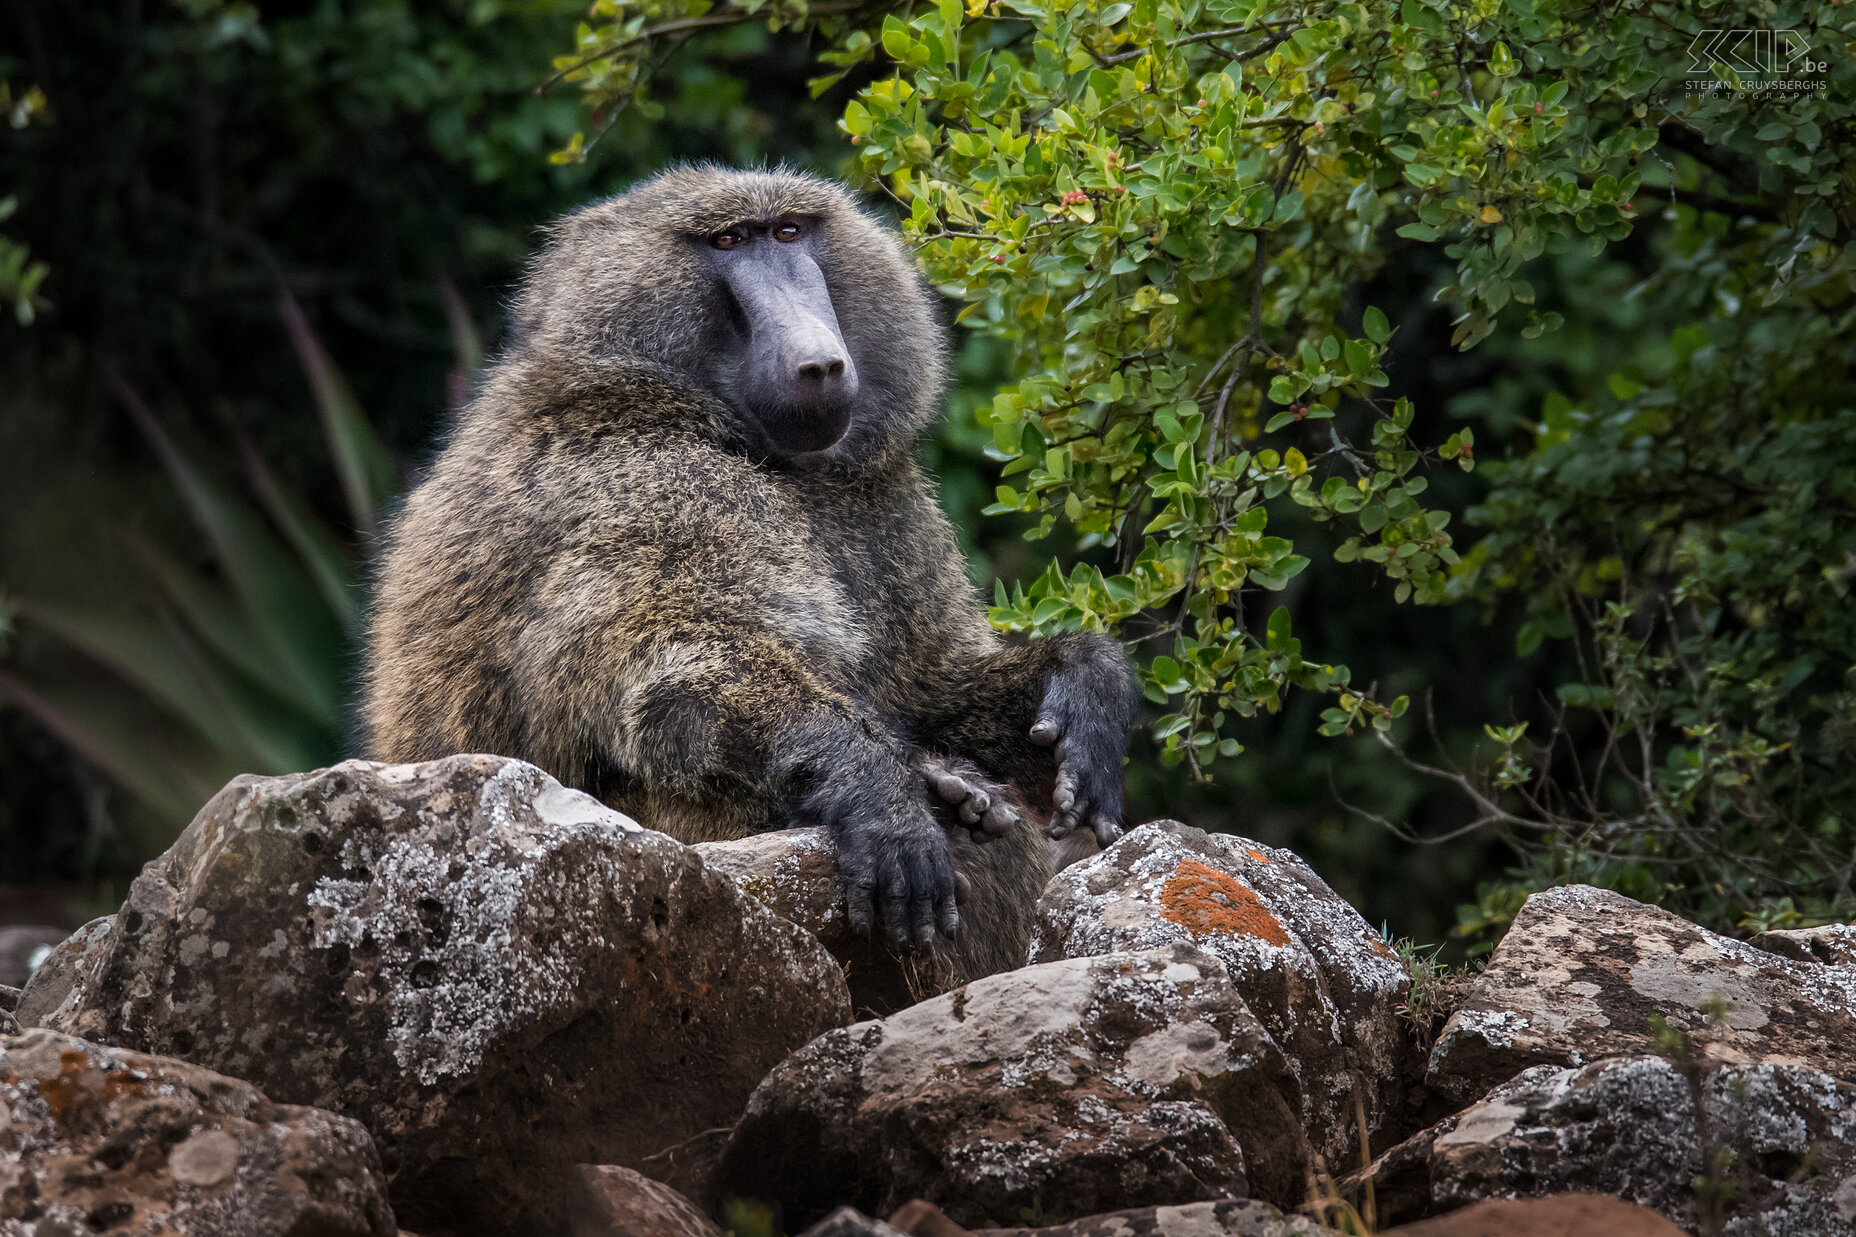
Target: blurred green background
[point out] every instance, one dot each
(279, 240)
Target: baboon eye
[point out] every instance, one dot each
(787, 232)
(728, 239)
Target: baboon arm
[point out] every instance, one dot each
(1070, 696)
(741, 713)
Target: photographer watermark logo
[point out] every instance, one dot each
(1765, 62)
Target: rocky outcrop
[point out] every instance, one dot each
(99, 1140)
(1096, 1084)
(61, 970)
(1225, 1218)
(1833, 944)
(1321, 980)
(1772, 1147)
(609, 1201)
(1582, 972)
(502, 977)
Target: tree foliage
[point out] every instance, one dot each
(1166, 207)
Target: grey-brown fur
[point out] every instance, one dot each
(613, 572)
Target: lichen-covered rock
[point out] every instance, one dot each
(1092, 1083)
(795, 872)
(1324, 984)
(1834, 944)
(1230, 1217)
(1582, 971)
(610, 1201)
(502, 977)
(1778, 1141)
(61, 970)
(96, 1139)
(850, 1222)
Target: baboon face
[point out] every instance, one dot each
(769, 289)
(782, 357)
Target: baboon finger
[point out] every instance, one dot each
(975, 807)
(963, 887)
(1064, 796)
(950, 786)
(999, 819)
(895, 904)
(859, 899)
(1046, 730)
(1108, 830)
(921, 919)
(947, 916)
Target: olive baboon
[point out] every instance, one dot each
(679, 553)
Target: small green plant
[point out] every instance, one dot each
(747, 1217)
(1437, 988)
(20, 275)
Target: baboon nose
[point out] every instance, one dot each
(818, 371)
(825, 375)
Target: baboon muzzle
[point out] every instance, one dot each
(798, 379)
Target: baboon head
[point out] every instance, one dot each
(769, 289)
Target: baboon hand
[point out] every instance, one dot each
(1087, 711)
(983, 805)
(902, 868)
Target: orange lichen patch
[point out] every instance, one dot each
(78, 1082)
(1379, 945)
(1258, 855)
(1205, 901)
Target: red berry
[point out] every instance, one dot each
(999, 258)
(1538, 108)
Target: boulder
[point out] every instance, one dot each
(22, 948)
(1092, 1084)
(99, 1139)
(1556, 1216)
(62, 969)
(1322, 981)
(850, 1222)
(502, 977)
(1775, 1146)
(1229, 1217)
(610, 1201)
(1582, 971)
(1833, 944)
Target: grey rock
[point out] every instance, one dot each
(22, 948)
(1224, 1218)
(1092, 1083)
(502, 977)
(1833, 944)
(850, 1222)
(60, 971)
(1628, 1128)
(610, 1201)
(9, 998)
(99, 1139)
(1582, 971)
(1321, 980)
